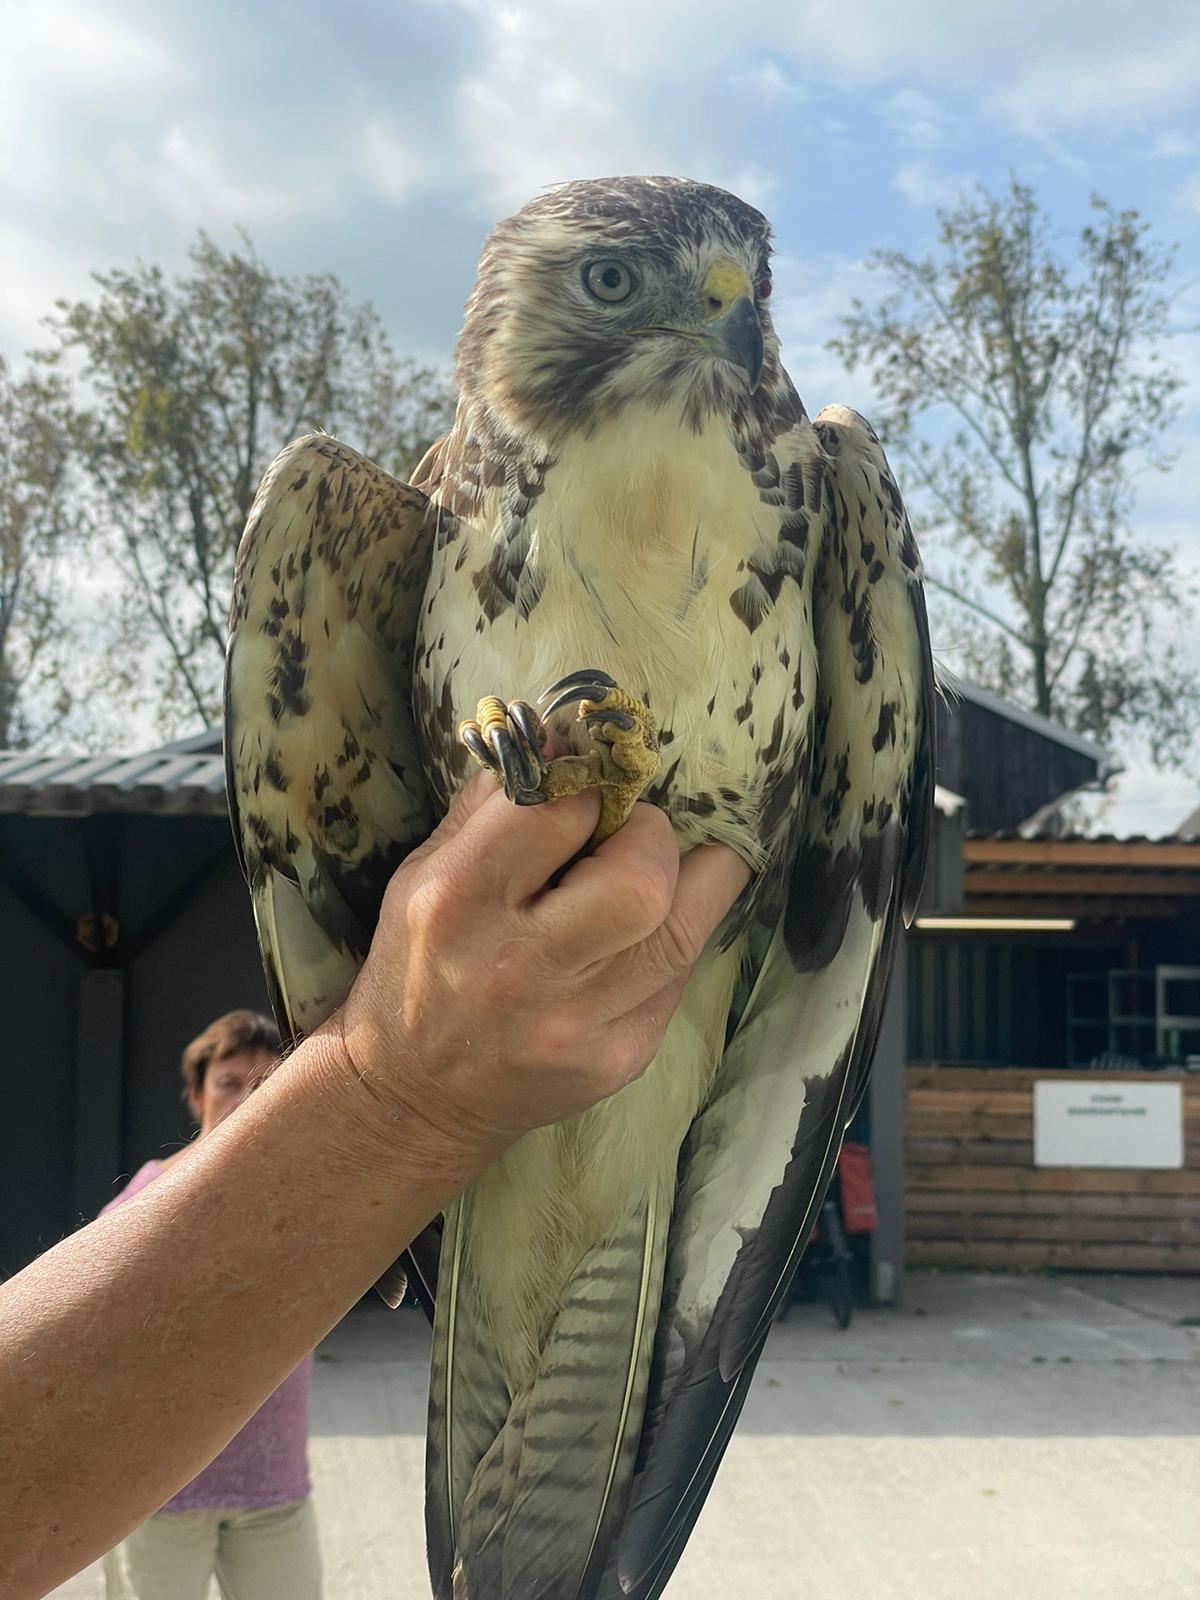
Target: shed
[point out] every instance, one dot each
(1073, 961)
(1011, 765)
(125, 927)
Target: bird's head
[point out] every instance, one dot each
(611, 291)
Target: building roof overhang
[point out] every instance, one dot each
(1087, 879)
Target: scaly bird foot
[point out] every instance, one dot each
(509, 741)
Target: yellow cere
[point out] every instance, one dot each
(726, 282)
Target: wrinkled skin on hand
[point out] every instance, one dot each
(501, 992)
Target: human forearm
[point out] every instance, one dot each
(132, 1352)
(500, 993)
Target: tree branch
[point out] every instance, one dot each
(1090, 417)
(977, 606)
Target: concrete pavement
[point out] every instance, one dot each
(996, 1437)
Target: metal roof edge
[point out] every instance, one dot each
(1107, 763)
(206, 743)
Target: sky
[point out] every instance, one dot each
(381, 141)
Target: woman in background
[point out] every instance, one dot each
(247, 1519)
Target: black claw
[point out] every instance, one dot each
(479, 748)
(580, 691)
(618, 719)
(590, 684)
(521, 777)
(509, 758)
(530, 775)
(527, 726)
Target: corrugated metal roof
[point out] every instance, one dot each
(186, 778)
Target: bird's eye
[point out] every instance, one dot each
(610, 281)
(763, 288)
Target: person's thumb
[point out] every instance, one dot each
(463, 807)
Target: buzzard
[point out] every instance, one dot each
(632, 507)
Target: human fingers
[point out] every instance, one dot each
(710, 879)
(626, 1046)
(503, 854)
(473, 794)
(614, 897)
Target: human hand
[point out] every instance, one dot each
(492, 1002)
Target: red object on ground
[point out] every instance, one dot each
(855, 1188)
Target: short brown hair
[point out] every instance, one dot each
(229, 1035)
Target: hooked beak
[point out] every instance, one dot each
(731, 327)
(738, 337)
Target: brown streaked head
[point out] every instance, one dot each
(611, 291)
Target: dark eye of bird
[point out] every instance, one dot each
(763, 288)
(608, 280)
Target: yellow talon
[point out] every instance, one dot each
(623, 759)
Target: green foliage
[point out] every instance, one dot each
(36, 526)
(192, 384)
(1022, 393)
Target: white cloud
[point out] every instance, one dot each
(1142, 800)
(768, 85)
(753, 183)
(922, 186)
(1174, 143)
(391, 167)
(916, 120)
(1143, 80)
(36, 272)
(200, 189)
(63, 45)
(574, 91)
(53, 53)
(1189, 195)
(809, 297)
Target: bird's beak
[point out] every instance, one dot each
(737, 334)
(732, 324)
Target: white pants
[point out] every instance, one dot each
(254, 1555)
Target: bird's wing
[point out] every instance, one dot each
(759, 1156)
(324, 775)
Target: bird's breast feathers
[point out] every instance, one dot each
(629, 558)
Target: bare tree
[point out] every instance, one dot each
(35, 522)
(1023, 393)
(192, 384)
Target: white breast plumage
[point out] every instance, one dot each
(640, 535)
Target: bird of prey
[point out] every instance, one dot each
(633, 508)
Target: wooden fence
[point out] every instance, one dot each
(975, 1199)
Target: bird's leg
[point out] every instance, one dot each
(624, 739)
(509, 740)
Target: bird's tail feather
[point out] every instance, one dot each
(549, 1491)
(469, 1400)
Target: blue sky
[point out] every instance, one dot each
(380, 141)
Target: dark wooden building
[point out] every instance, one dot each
(1011, 765)
(125, 927)
(1073, 960)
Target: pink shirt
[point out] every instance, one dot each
(266, 1464)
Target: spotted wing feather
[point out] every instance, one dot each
(760, 1155)
(326, 787)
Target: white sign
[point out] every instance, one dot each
(1107, 1123)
